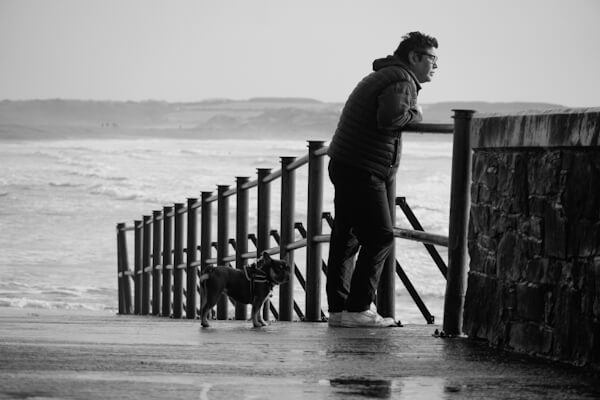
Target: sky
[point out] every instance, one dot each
(190, 50)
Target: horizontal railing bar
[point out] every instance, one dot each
(181, 266)
(420, 236)
(321, 238)
(429, 128)
(298, 162)
(229, 258)
(230, 192)
(196, 205)
(296, 245)
(212, 198)
(126, 228)
(195, 263)
(248, 255)
(211, 261)
(250, 184)
(182, 210)
(272, 176)
(273, 250)
(322, 151)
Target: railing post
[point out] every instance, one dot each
(222, 241)
(205, 230)
(137, 265)
(124, 283)
(241, 236)
(192, 255)
(263, 217)
(459, 219)
(288, 195)
(146, 266)
(178, 261)
(156, 260)
(167, 261)
(313, 228)
(386, 290)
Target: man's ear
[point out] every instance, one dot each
(413, 57)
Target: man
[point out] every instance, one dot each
(364, 157)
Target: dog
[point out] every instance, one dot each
(251, 285)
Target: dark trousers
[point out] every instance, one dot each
(363, 225)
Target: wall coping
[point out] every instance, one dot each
(569, 127)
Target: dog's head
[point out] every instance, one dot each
(277, 270)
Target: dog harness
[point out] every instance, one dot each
(256, 275)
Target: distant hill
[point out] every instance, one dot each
(293, 118)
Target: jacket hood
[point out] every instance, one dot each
(391, 61)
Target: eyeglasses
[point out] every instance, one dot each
(431, 57)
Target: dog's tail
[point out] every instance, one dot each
(206, 274)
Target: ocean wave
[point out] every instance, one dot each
(125, 194)
(24, 302)
(96, 174)
(64, 184)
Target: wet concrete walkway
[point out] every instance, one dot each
(67, 355)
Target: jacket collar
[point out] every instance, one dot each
(392, 61)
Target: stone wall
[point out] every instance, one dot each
(534, 234)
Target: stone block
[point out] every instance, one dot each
(530, 302)
(583, 239)
(520, 189)
(484, 195)
(543, 173)
(476, 258)
(526, 337)
(555, 232)
(535, 270)
(534, 247)
(474, 193)
(478, 165)
(490, 267)
(568, 322)
(481, 312)
(537, 205)
(480, 217)
(573, 274)
(510, 257)
(504, 173)
(490, 177)
(595, 270)
(549, 307)
(581, 195)
(589, 288)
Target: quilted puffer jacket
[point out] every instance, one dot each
(368, 135)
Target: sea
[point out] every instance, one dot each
(60, 201)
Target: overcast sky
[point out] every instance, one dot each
(176, 50)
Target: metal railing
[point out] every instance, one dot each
(164, 259)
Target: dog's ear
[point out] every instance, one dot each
(266, 257)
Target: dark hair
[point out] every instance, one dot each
(414, 41)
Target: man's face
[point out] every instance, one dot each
(423, 64)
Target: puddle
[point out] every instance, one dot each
(414, 388)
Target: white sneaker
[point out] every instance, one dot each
(365, 319)
(335, 319)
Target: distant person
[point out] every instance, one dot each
(364, 157)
